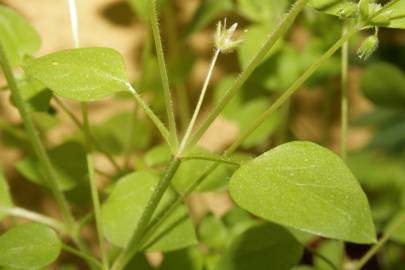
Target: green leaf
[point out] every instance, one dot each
(158, 155)
(5, 197)
(190, 170)
(208, 11)
(399, 233)
(307, 187)
(141, 8)
(35, 94)
(187, 259)
(86, 74)
(262, 11)
(69, 161)
(29, 246)
(340, 8)
(124, 207)
(213, 232)
(18, 37)
(263, 247)
(334, 251)
(114, 133)
(394, 13)
(384, 85)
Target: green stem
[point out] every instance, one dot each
(344, 95)
(135, 241)
(293, 88)
(279, 31)
(82, 255)
(218, 159)
(94, 140)
(39, 149)
(279, 102)
(36, 217)
(93, 184)
(372, 251)
(199, 104)
(163, 73)
(152, 116)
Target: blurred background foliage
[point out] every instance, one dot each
(377, 102)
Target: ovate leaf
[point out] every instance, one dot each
(394, 12)
(5, 198)
(124, 207)
(18, 37)
(263, 247)
(29, 246)
(86, 74)
(335, 7)
(307, 187)
(69, 161)
(191, 259)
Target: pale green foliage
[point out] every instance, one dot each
(18, 37)
(305, 186)
(5, 198)
(29, 246)
(262, 247)
(393, 14)
(122, 210)
(81, 74)
(69, 160)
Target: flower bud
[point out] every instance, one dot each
(368, 47)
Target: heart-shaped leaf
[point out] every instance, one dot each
(263, 247)
(17, 36)
(124, 207)
(85, 74)
(307, 187)
(29, 246)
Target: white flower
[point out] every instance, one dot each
(225, 38)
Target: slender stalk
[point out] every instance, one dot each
(219, 159)
(278, 32)
(36, 217)
(93, 185)
(372, 251)
(344, 95)
(89, 147)
(152, 116)
(163, 73)
(135, 242)
(82, 255)
(277, 104)
(38, 147)
(94, 140)
(200, 102)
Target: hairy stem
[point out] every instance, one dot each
(135, 241)
(199, 104)
(82, 255)
(279, 31)
(163, 73)
(38, 147)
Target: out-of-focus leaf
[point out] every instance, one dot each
(190, 259)
(263, 247)
(5, 197)
(399, 222)
(29, 246)
(394, 12)
(142, 8)
(69, 161)
(334, 7)
(85, 74)
(384, 85)
(158, 155)
(307, 187)
(334, 251)
(114, 133)
(208, 11)
(213, 232)
(18, 37)
(262, 11)
(123, 209)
